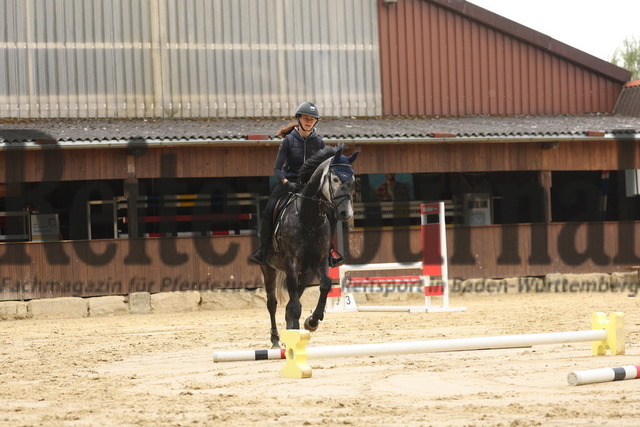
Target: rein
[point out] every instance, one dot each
(318, 200)
(321, 213)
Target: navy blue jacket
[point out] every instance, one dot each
(293, 152)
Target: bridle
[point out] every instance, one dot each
(330, 205)
(339, 198)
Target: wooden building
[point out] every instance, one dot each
(533, 144)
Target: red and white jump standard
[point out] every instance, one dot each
(433, 264)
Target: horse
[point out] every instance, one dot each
(302, 236)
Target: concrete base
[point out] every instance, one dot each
(68, 307)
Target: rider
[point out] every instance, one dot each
(300, 141)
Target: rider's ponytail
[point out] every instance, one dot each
(286, 130)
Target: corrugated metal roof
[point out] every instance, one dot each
(381, 128)
(629, 101)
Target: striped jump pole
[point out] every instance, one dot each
(607, 334)
(245, 355)
(604, 375)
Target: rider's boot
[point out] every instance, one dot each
(260, 255)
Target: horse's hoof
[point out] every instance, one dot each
(310, 324)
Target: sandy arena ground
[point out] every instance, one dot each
(150, 370)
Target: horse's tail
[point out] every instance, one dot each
(281, 295)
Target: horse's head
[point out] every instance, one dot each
(329, 173)
(338, 184)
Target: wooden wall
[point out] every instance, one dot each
(257, 159)
(567, 155)
(106, 267)
(121, 266)
(495, 251)
(443, 57)
(114, 163)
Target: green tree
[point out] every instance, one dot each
(628, 57)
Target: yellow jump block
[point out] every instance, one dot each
(614, 325)
(296, 365)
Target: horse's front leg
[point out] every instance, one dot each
(293, 310)
(270, 285)
(312, 322)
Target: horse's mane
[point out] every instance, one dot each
(312, 163)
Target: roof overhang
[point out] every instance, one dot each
(176, 143)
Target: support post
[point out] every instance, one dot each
(131, 194)
(296, 365)
(544, 178)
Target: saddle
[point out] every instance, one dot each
(282, 203)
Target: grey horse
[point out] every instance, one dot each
(303, 234)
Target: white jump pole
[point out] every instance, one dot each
(604, 375)
(412, 347)
(456, 344)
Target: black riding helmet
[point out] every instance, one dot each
(308, 109)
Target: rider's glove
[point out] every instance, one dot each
(292, 186)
